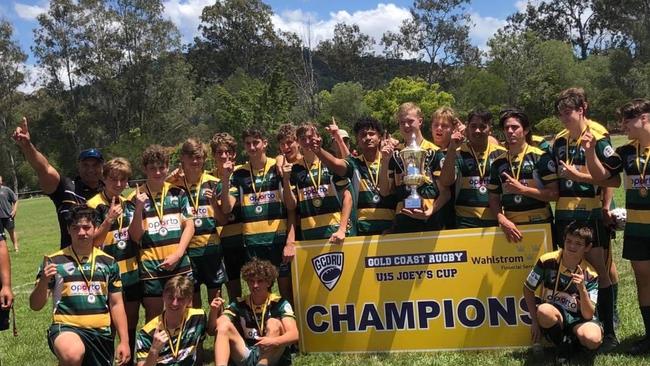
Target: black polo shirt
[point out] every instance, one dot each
(68, 194)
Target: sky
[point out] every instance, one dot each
(373, 18)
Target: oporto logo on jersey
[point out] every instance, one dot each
(328, 267)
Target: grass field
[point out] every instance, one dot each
(38, 231)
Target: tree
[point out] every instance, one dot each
(11, 77)
(383, 103)
(571, 21)
(629, 23)
(345, 103)
(438, 32)
(235, 34)
(344, 51)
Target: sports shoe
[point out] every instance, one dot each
(563, 352)
(640, 347)
(610, 342)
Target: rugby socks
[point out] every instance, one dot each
(605, 308)
(615, 289)
(645, 314)
(555, 334)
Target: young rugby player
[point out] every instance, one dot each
(523, 180)
(224, 153)
(569, 294)
(580, 192)
(257, 188)
(374, 213)
(163, 225)
(175, 336)
(257, 329)
(467, 164)
(112, 236)
(635, 120)
(323, 200)
(87, 298)
(204, 250)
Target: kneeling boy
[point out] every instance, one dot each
(570, 291)
(256, 329)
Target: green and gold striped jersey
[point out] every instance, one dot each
(263, 214)
(320, 195)
(188, 338)
(230, 234)
(205, 240)
(374, 213)
(533, 168)
(541, 143)
(637, 188)
(80, 296)
(117, 242)
(162, 237)
(250, 319)
(472, 179)
(556, 280)
(579, 200)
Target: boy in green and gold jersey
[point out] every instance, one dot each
(523, 180)
(204, 250)
(175, 336)
(112, 236)
(580, 192)
(256, 187)
(374, 213)
(467, 164)
(87, 298)
(323, 200)
(164, 225)
(224, 149)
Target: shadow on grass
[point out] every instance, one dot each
(547, 357)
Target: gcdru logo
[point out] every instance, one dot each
(328, 267)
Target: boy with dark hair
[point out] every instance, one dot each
(87, 298)
(224, 153)
(583, 195)
(164, 225)
(174, 337)
(569, 293)
(257, 329)
(257, 188)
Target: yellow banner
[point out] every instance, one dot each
(454, 289)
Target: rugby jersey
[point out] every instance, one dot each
(117, 242)
(472, 208)
(581, 201)
(230, 234)
(249, 318)
(319, 222)
(263, 214)
(406, 224)
(205, 240)
(561, 291)
(154, 247)
(192, 335)
(70, 292)
(374, 212)
(541, 143)
(537, 170)
(445, 218)
(634, 160)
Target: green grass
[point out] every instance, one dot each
(38, 232)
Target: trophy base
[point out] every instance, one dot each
(413, 203)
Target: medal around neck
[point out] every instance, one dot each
(413, 162)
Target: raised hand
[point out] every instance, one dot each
(140, 196)
(386, 147)
(588, 139)
(160, 338)
(115, 210)
(333, 128)
(21, 134)
(457, 138)
(512, 185)
(578, 277)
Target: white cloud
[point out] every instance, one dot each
(29, 12)
(373, 22)
(484, 28)
(522, 4)
(34, 78)
(186, 15)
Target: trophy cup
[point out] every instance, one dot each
(413, 158)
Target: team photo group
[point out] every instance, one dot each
(234, 222)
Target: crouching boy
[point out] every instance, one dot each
(257, 329)
(570, 290)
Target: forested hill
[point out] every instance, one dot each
(116, 76)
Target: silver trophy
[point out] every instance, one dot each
(413, 158)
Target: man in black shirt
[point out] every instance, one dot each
(63, 191)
